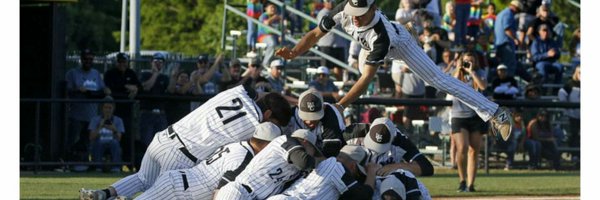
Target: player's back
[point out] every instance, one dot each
(324, 182)
(231, 157)
(270, 169)
(230, 116)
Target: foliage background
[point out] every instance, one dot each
(193, 27)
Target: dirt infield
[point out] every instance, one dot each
(513, 198)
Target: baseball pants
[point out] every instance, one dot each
(164, 153)
(233, 190)
(419, 63)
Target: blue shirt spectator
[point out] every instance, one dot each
(323, 84)
(504, 20)
(545, 54)
(105, 133)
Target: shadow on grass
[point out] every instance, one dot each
(48, 174)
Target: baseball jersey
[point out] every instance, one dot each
(270, 169)
(329, 130)
(381, 38)
(327, 181)
(414, 187)
(230, 116)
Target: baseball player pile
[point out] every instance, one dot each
(245, 145)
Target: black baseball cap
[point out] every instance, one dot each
(203, 58)
(310, 106)
(122, 57)
(380, 136)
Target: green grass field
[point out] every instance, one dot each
(55, 185)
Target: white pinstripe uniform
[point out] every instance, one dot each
(400, 172)
(381, 38)
(230, 116)
(266, 174)
(394, 155)
(324, 182)
(200, 181)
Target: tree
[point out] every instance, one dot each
(91, 23)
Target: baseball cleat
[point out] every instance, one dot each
(91, 194)
(502, 123)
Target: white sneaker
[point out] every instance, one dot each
(91, 194)
(502, 123)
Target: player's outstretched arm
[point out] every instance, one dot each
(307, 41)
(360, 86)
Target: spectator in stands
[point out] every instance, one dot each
(323, 84)
(510, 146)
(82, 83)
(271, 18)
(542, 17)
(488, 21)
(231, 75)
(525, 17)
(121, 80)
(545, 54)
(505, 86)
(405, 12)
(183, 85)
(205, 77)
(153, 116)
(124, 84)
(449, 19)
(180, 87)
(506, 41)
(408, 86)
(276, 78)
(437, 37)
(252, 77)
(332, 44)
(474, 20)
(254, 9)
(571, 92)
(105, 134)
(539, 132)
(467, 127)
(434, 8)
(462, 8)
(575, 47)
(447, 61)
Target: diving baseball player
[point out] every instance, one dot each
(282, 160)
(392, 149)
(221, 167)
(334, 177)
(379, 38)
(400, 185)
(321, 118)
(230, 116)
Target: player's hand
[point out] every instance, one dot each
(385, 170)
(286, 53)
(339, 107)
(372, 168)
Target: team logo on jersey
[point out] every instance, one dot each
(311, 106)
(378, 137)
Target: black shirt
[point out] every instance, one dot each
(508, 80)
(116, 81)
(159, 88)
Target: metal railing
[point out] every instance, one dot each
(280, 33)
(37, 161)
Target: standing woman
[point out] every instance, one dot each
(467, 127)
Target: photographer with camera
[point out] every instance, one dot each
(105, 133)
(467, 127)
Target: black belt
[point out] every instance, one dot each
(185, 182)
(248, 189)
(172, 134)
